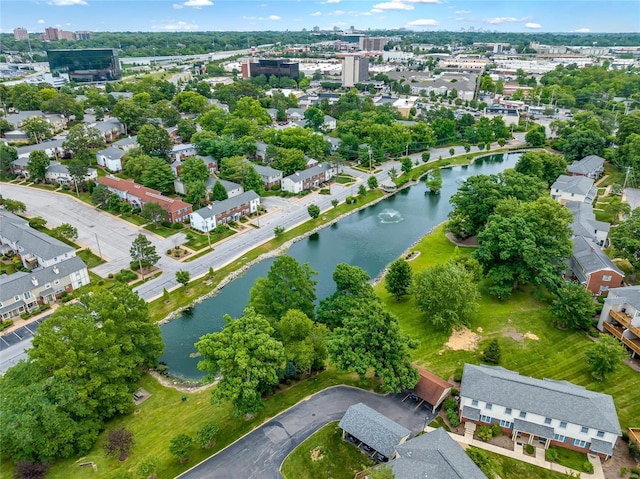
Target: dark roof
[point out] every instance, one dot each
(471, 413)
(539, 430)
(373, 428)
(430, 387)
(544, 397)
(588, 258)
(434, 455)
(603, 447)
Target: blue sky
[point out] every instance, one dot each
(217, 15)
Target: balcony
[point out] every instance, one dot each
(634, 344)
(625, 320)
(615, 330)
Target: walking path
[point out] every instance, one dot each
(518, 454)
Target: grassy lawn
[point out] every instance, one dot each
(199, 240)
(134, 219)
(556, 354)
(509, 468)
(324, 455)
(439, 422)
(164, 415)
(84, 196)
(7, 268)
(615, 176)
(161, 230)
(90, 259)
(571, 459)
(344, 179)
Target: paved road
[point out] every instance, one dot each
(260, 453)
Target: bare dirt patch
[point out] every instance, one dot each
(463, 340)
(620, 459)
(531, 336)
(517, 336)
(317, 454)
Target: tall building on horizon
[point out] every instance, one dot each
(20, 33)
(51, 34)
(86, 65)
(253, 67)
(355, 69)
(373, 44)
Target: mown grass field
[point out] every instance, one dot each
(324, 454)
(509, 468)
(556, 354)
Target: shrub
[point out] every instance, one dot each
(484, 432)
(529, 449)
(486, 465)
(426, 156)
(491, 353)
(30, 470)
(453, 417)
(633, 476)
(6, 324)
(181, 446)
(495, 429)
(457, 375)
(325, 191)
(623, 471)
(110, 276)
(587, 467)
(275, 188)
(244, 219)
(635, 470)
(118, 443)
(206, 435)
(125, 276)
(25, 315)
(455, 392)
(551, 454)
(450, 404)
(633, 449)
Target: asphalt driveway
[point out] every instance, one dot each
(260, 453)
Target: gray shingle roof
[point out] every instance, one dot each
(584, 220)
(18, 283)
(545, 397)
(112, 153)
(586, 165)
(47, 145)
(228, 185)
(219, 207)
(131, 140)
(580, 185)
(629, 294)
(309, 173)
(603, 447)
(529, 427)
(471, 413)
(373, 428)
(588, 258)
(18, 231)
(434, 455)
(263, 170)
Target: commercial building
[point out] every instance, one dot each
(373, 44)
(20, 34)
(86, 65)
(355, 69)
(253, 67)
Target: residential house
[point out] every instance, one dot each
(273, 113)
(110, 129)
(541, 412)
(127, 143)
(433, 455)
(592, 268)
(182, 151)
(225, 211)
(590, 166)
(19, 167)
(362, 424)
(335, 143)
(53, 148)
(137, 195)
(16, 136)
(210, 163)
(404, 105)
(585, 224)
(307, 179)
(311, 162)
(261, 150)
(620, 316)
(58, 173)
(23, 292)
(17, 119)
(110, 158)
(329, 123)
(431, 389)
(233, 189)
(573, 188)
(270, 176)
(295, 114)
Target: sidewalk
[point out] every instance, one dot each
(18, 322)
(518, 454)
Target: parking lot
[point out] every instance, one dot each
(20, 334)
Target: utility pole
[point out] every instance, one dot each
(98, 243)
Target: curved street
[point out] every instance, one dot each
(260, 453)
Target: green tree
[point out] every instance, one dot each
(143, 252)
(628, 125)
(213, 119)
(583, 143)
(37, 165)
(362, 190)
(406, 165)
(5, 126)
(253, 181)
(625, 238)
(573, 307)
(288, 285)
(250, 109)
(433, 180)
(542, 165)
(8, 155)
(64, 104)
(148, 468)
(134, 163)
(314, 211)
(491, 354)
(78, 171)
(37, 128)
(154, 140)
(398, 279)
(304, 342)
(153, 212)
(130, 113)
(219, 192)
(118, 443)
(168, 113)
(100, 195)
(190, 102)
(194, 169)
(247, 358)
(314, 117)
(334, 202)
(181, 446)
(604, 356)
(370, 337)
(536, 136)
(13, 206)
(372, 182)
(82, 138)
(615, 208)
(206, 435)
(158, 175)
(447, 294)
(66, 231)
(183, 278)
(289, 160)
(186, 129)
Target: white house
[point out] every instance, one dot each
(620, 317)
(127, 143)
(110, 158)
(585, 223)
(182, 151)
(270, 176)
(58, 173)
(543, 412)
(573, 188)
(223, 212)
(329, 123)
(590, 166)
(307, 179)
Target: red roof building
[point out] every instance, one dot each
(431, 388)
(138, 196)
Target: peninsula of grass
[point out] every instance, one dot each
(325, 454)
(556, 354)
(90, 259)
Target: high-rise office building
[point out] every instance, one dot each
(82, 35)
(252, 67)
(373, 44)
(355, 69)
(51, 34)
(91, 64)
(20, 33)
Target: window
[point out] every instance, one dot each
(600, 434)
(505, 423)
(606, 278)
(486, 419)
(474, 402)
(16, 298)
(559, 438)
(579, 443)
(507, 410)
(47, 285)
(547, 420)
(563, 424)
(523, 414)
(488, 406)
(27, 295)
(56, 282)
(604, 288)
(584, 430)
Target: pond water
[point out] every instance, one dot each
(370, 238)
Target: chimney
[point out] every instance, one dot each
(34, 280)
(56, 270)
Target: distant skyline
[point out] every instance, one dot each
(587, 16)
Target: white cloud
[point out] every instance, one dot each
(275, 17)
(424, 22)
(41, 21)
(178, 6)
(338, 12)
(532, 25)
(178, 26)
(582, 30)
(499, 20)
(376, 10)
(463, 12)
(66, 3)
(316, 14)
(198, 3)
(423, 1)
(333, 1)
(392, 6)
